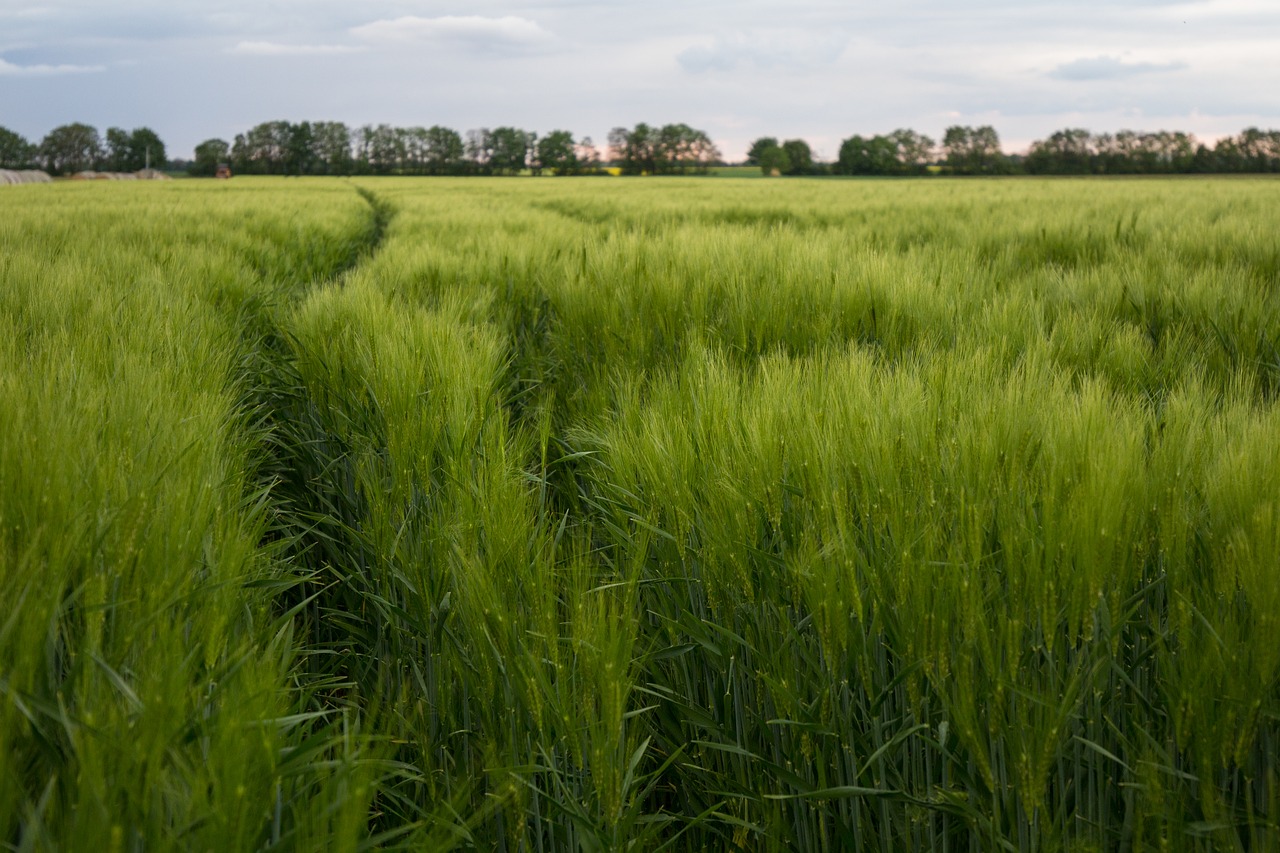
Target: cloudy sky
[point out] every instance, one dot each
(819, 70)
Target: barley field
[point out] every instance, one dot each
(604, 514)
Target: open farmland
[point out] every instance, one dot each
(597, 514)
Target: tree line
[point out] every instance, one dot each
(964, 151)
(333, 148)
(77, 147)
(1073, 151)
(1076, 151)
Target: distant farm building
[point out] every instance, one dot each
(23, 176)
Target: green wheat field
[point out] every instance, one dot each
(604, 514)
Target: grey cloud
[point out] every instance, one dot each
(9, 69)
(1109, 68)
(763, 49)
(268, 48)
(506, 33)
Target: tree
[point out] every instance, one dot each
(588, 156)
(444, 151)
(773, 160)
(632, 150)
(670, 148)
(1204, 160)
(875, 155)
(1073, 151)
(758, 147)
(479, 150)
(799, 157)
(1227, 156)
(974, 151)
(264, 149)
(415, 142)
(133, 151)
(71, 148)
(557, 153)
(145, 149)
(1066, 152)
(304, 148)
(1178, 151)
(117, 150)
(687, 149)
(331, 148)
(380, 150)
(619, 142)
(1108, 155)
(15, 151)
(673, 149)
(299, 151)
(510, 150)
(914, 151)
(209, 154)
(1259, 150)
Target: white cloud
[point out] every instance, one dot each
(8, 69)
(1109, 68)
(474, 31)
(795, 49)
(269, 48)
(30, 12)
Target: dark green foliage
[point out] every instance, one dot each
(799, 157)
(133, 151)
(210, 154)
(758, 147)
(875, 156)
(263, 150)
(673, 149)
(1075, 151)
(509, 149)
(443, 151)
(774, 160)
(557, 153)
(15, 152)
(974, 151)
(71, 148)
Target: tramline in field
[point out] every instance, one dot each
(608, 514)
